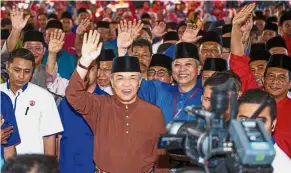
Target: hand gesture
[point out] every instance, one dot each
(5, 133)
(83, 27)
(127, 32)
(242, 17)
(56, 41)
(159, 29)
(190, 34)
(17, 20)
(91, 47)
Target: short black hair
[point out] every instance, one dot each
(26, 163)
(221, 77)
(258, 96)
(143, 42)
(145, 16)
(172, 25)
(5, 21)
(163, 47)
(183, 23)
(22, 53)
(145, 22)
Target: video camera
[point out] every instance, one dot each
(242, 146)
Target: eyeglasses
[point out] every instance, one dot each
(105, 70)
(160, 73)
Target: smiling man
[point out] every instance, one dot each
(258, 63)
(160, 68)
(277, 83)
(124, 116)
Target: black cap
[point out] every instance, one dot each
(52, 16)
(271, 26)
(103, 24)
(28, 27)
(82, 10)
(259, 13)
(211, 36)
(277, 41)
(33, 36)
(226, 28)
(186, 50)
(125, 64)
(171, 35)
(258, 46)
(284, 17)
(226, 42)
(259, 54)
(163, 47)
(4, 34)
(272, 19)
(67, 15)
(106, 55)
(145, 16)
(215, 64)
(54, 24)
(5, 21)
(280, 61)
(162, 61)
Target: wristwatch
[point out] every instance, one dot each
(83, 67)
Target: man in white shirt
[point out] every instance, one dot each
(35, 110)
(248, 103)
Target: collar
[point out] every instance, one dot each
(23, 88)
(197, 85)
(121, 105)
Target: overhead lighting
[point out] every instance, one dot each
(93, 1)
(27, 1)
(25, 6)
(3, 8)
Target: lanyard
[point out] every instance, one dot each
(175, 103)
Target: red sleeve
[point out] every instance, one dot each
(240, 66)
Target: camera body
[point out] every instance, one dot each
(243, 142)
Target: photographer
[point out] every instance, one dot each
(248, 103)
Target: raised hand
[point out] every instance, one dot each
(127, 32)
(159, 29)
(81, 29)
(56, 41)
(91, 47)
(17, 20)
(190, 34)
(243, 16)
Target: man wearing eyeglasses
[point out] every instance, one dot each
(160, 68)
(106, 58)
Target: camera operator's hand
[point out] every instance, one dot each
(190, 34)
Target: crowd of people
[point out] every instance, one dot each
(95, 92)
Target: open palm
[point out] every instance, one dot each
(128, 31)
(56, 41)
(159, 29)
(17, 20)
(190, 34)
(91, 47)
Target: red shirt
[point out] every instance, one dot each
(282, 131)
(69, 44)
(240, 66)
(288, 43)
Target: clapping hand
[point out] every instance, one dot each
(190, 34)
(18, 23)
(159, 29)
(91, 47)
(56, 41)
(127, 32)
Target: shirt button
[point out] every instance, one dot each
(126, 116)
(126, 132)
(127, 124)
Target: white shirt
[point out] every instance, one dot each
(36, 116)
(156, 46)
(107, 89)
(281, 162)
